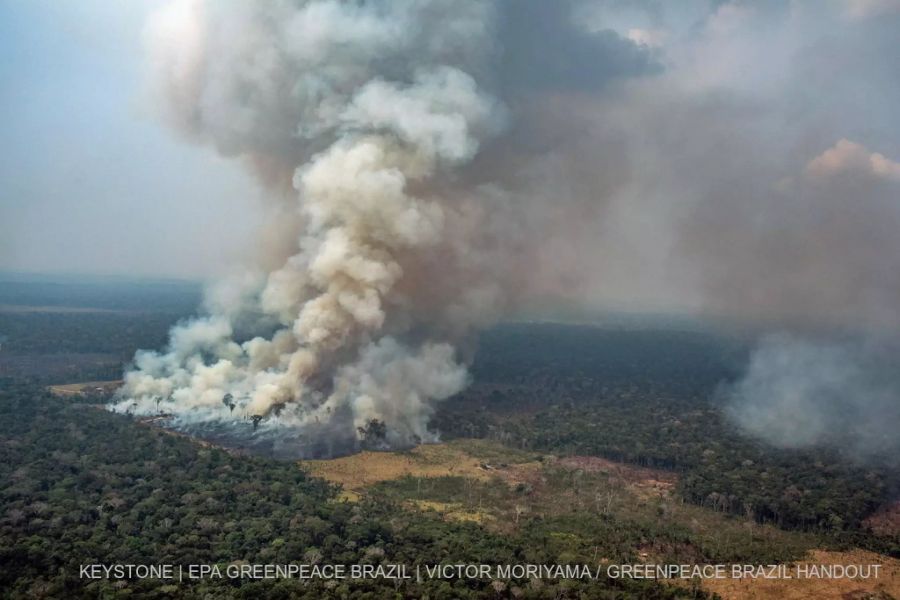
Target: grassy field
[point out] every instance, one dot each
(475, 459)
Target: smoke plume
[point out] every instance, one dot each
(391, 246)
(800, 393)
(348, 113)
(434, 165)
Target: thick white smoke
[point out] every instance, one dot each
(349, 113)
(433, 162)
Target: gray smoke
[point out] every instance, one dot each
(799, 393)
(755, 176)
(360, 119)
(434, 165)
(347, 112)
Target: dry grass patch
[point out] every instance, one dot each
(361, 470)
(886, 586)
(473, 459)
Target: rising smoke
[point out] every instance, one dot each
(433, 164)
(350, 113)
(799, 393)
(360, 119)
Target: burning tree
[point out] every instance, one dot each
(228, 400)
(374, 434)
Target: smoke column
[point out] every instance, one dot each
(401, 144)
(355, 116)
(433, 164)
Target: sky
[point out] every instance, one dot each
(92, 183)
(370, 184)
(727, 156)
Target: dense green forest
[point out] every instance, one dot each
(91, 332)
(61, 330)
(81, 485)
(61, 347)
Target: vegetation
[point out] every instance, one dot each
(117, 333)
(81, 485)
(64, 330)
(649, 398)
(580, 517)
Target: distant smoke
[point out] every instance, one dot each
(800, 393)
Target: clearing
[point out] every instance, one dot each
(87, 387)
(474, 459)
(488, 483)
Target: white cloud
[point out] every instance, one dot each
(850, 157)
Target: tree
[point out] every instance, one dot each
(374, 434)
(228, 400)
